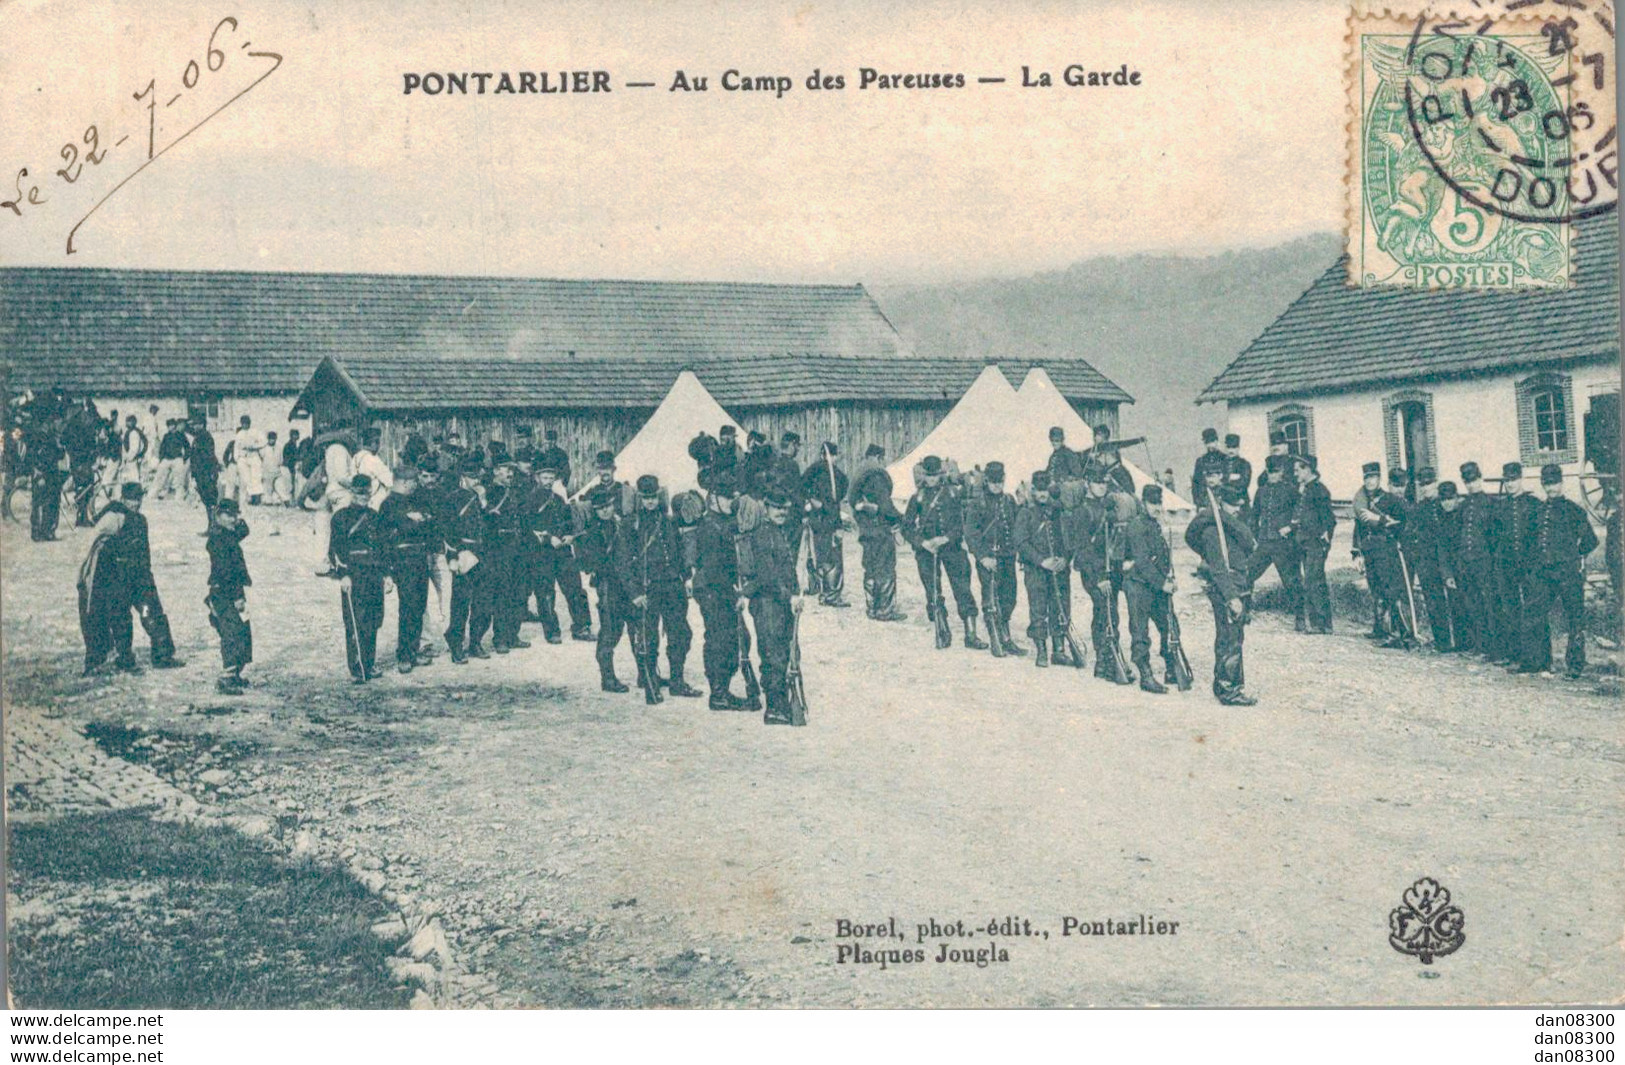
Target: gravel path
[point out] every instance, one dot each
(583, 849)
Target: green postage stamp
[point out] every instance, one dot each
(1475, 142)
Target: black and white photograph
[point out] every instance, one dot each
(767, 507)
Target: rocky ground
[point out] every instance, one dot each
(543, 843)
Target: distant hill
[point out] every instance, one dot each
(1160, 326)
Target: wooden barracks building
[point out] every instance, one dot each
(484, 356)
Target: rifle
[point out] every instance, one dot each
(1410, 596)
(753, 687)
(647, 656)
(1063, 609)
(794, 691)
(355, 629)
(939, 606)
(1118, 664)
(814, 584)
(1179, 667)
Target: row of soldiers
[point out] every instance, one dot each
(508, 532)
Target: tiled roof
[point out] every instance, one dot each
(175, 332)
(422, 381)
(1335, 337)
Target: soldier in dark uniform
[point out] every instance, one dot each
(357, 557)
(595, 548)
(824, 486)
(46, 462)
(1046, 570)
(1225, 546)
(1088, 532)
(550, 557)
(465, 535)
(604, 478)
(505, 530)
(990, 537)
(1419, 545)
(1447, 544)
(1312, 526)
(1376, 550)
(1065, 465)
(767, 582)
(205, 462)
(116, 578)
(1238, 472)
(785, 472)
(1104, 456)
(934, 525)
(227, 597)
(1212, 460)
(80, 439)
(407, 536)
(758, 461)
(1475, 563)
(1278, 446)
(649, 557)
(555, 458)
(1562, 539)
(877, 517)
(716, 586)
(1148, 582)
(1271, 521)
(1514, 535)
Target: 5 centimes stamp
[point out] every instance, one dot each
(1475, 140)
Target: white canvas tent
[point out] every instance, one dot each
(971, 434)
(661, 446)
(1043, 406)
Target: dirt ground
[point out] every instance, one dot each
(584, 849)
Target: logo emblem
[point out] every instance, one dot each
(1424, 924)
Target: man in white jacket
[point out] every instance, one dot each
(338, 466)
(249, 454)
(368, 462)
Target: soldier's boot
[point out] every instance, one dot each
(997, 643)
(886, 602)
(1148, 681)
(723, 699)
(679, 687)
(1041, 659)
(1010, 645)
(973, 641)
(607, 679)
(869, 597)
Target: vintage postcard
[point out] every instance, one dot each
(779, 505)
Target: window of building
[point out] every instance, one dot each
(1546, 430)
(1551, 419)
(1409, 433)
(1297, 423)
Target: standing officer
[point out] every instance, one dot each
(934, 525)
(1148, 582)
(1373, 538)
(504, 520)
(596, 549)
(1562, 539)
(1088, 530)
(79, 439)
(785, 472)
(1419, 545)
(1225, 545)
(1212, 460)
(115, 578)
(407, 535)
(465, 534)
(767, 583)
(1065, 465)
(1271, 521)
(1105, 456)
(356, 556)
(551, 558)
(1448, 551)
(555, 458)
(1045, 571)
(1475, 563)
(716, 586)
(877, 516)
(1238, 472)
(46, 460)
(603, 465)
(1278, 446)
(227, 598)
(990, 537)
(1514, 538)
(824, 486)
(650, 559)
(1313, 523)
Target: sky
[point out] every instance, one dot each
(1234, 138)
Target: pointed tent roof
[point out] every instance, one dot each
(969, 434)
(661, 446)
(1044, 407)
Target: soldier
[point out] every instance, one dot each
(1562, 539)
(435, 498)
(1225, 546)
(250, 446)
(1387, 571)
(934, 525)
(406, 537)
(505, 528)
(1369, 524)
(823, 486)
(1087, 534)
(767, 582)
(596, 549)
(1475, 563)
(1238, 472)
(877, 516)
(1419, 545)
(1278, 446)
(603, 465)
(464, 530)
(45, 460)
(1312, 526)
(759, 459)
(1210, 461)
(550, 558)
(728, 454)
(356, 557)
(1148, 582)
(554, 457)
(649, 557)
(1271, 521)
(990, 537)
(116, 578)
(1105, 456)
(785, 472)
(716, 586)
(227, 598)
(1065, 465)
(1447, 548)
(79, 440)
(205, 462)
(1514, 535)
(1045, 571)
